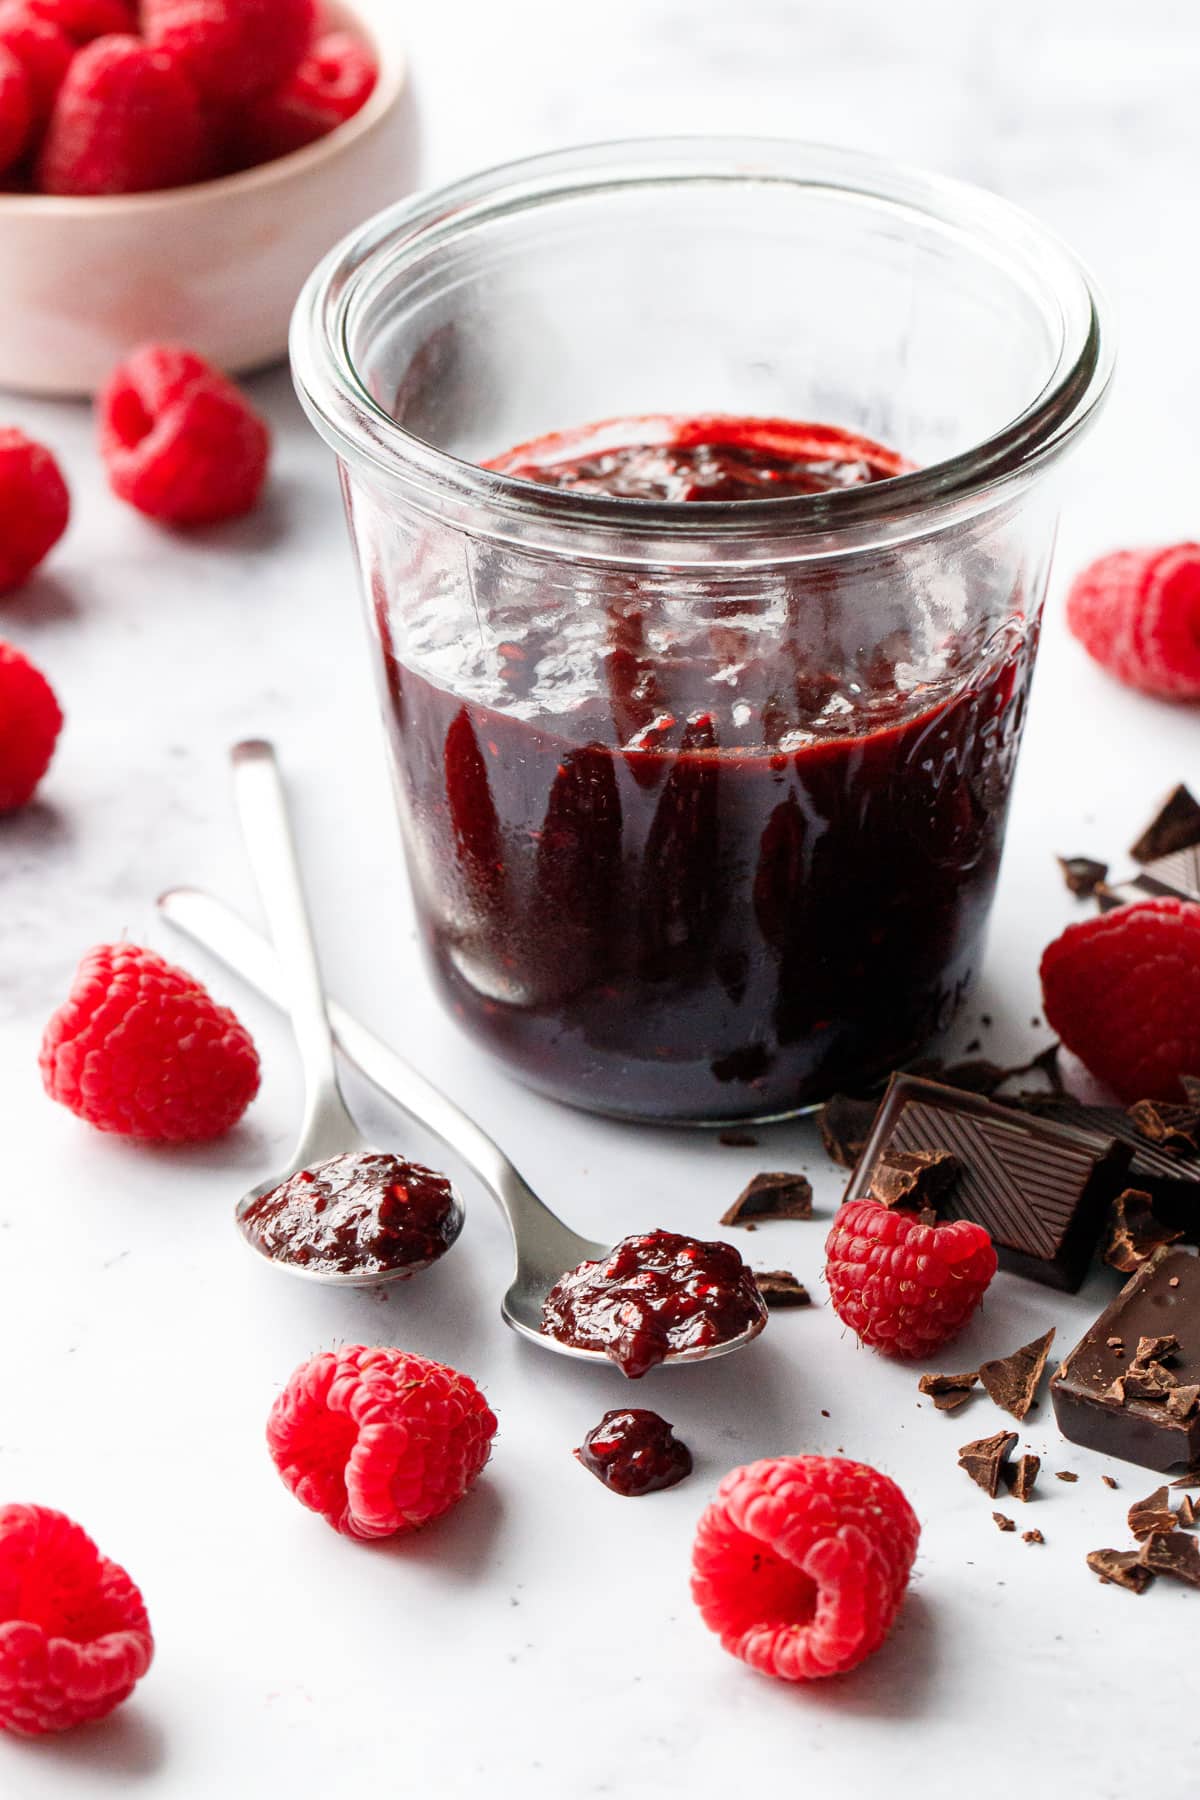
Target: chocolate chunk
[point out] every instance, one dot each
(1032, 1537)
(1181, 1401)
(1004, 1522)
(1013, 1381)
(948, 1391)
(1065, 1475)
(1174, 1127)
(1122, 1407)
(984, 1459)
(1082, 874)
(779, 1288)
(1134, 1234)
(1187, 1511)
(1173, 1553)
(777, 1196)
(1171, 1179)
(1123, 1568)
(914, 1180)
(737, 1140)
(1041, 1191)
(845, 1125)
(1175, 826)
(1151, 1514)
(1022, 1476)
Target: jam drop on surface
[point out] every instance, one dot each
(654, 1296)
(361, 1213)
(635, 1452)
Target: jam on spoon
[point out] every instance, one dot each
(654, 1296)
(366, 1212)
(634, 1452)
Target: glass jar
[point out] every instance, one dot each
(703, 805)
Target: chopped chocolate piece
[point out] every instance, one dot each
(1175, 826)
(1118, 1407)
(845, 1127)
(1041, 1191)
(1187, 1511)
(1151, 1514)
(737, 1140)
(1032, 1537)
(1159, 1122)
(1022, 1476)
(984, 1459)
(1123, 1568)
(1134, 1234)
(1186, 1481)
(914, 1179)
(1004, 1522)
(1013, 1381)
(948, 1391)
(1065, 1475)
(779, 1288)
(777, 1196)
(1181, 1401)
(1173, 1553)
(1082, 874)
(1110, 1481)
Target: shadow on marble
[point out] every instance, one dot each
(460, 1545)
(129, 1746)
(45, 599)
(896, 1682)
(40, 826)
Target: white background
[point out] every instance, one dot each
(541, 1640)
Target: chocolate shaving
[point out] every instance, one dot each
(1187, 1511)
(1065, 1475)
(772, 1196)
(1173, 1553)
(984, 1458)
(1032, 1537)
(1175, 826)
(779, 1288)
(1170, 1127)
(914, 1180)
(948, 1391)
(845, 1125)
(1121, 1568)
(737, 1140)
(1134, 1233)
(1022, 1476)
(1012, 1381)
(1004, 1522)
(1151, 1514)
(1082, 874)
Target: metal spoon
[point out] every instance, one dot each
(328, 1129)
(545, 1247)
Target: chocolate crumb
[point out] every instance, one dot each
(948, 1391)
(1032, 1537)
(1121, 1568)
(1134, 1234)
(1173, 1553)
(779, 1288)
(1151, 1514)
(984, 1458)
(1012, 1381)
(1065, 1475)
(771, 1196)
(738, 1140)
(1022, 1476)
(1175, 826)
(824, 1413)
(985, 1019)
(1110, 1481)
(1115, 1343)
(1082, 874)
(845, 1124)
(1005, 1523)
(1172, 1281)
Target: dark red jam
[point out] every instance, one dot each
(706, 858)
(363, 1214)
(635, 1452)
(655, 1296)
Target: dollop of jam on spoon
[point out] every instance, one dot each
(365, 1212)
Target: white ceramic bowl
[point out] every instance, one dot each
(216, 266)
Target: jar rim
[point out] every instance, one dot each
(365, 436)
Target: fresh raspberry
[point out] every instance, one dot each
(275, 125)
(125, 122)
(16, 108)
(1122, 991)
(140, 1048)
(232, 49)
(83, 20)
(41, 47)
(34, 506)
(1137, 612)
(74, 1635)
(338, 75)
(180, 441)
(30, 721)
(801, 1562)
(903, 1286)
(379, 1441)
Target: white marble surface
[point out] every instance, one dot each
(541, 1641)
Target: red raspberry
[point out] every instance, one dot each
(16, 108)
(801, 1562)
(180, 441)
(337, 76)
(42, 49)
(140, 1048)
(125, 122)
(232, 49)
(30, 721)
(34, 506)
(1123, 992)
(83, 20)
(379, 1441)
(902, 1286)
(1138, 613)
(74, 1636)
(275, 126)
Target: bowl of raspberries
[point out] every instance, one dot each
(171, 170)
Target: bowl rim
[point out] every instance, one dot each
(388, 92)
